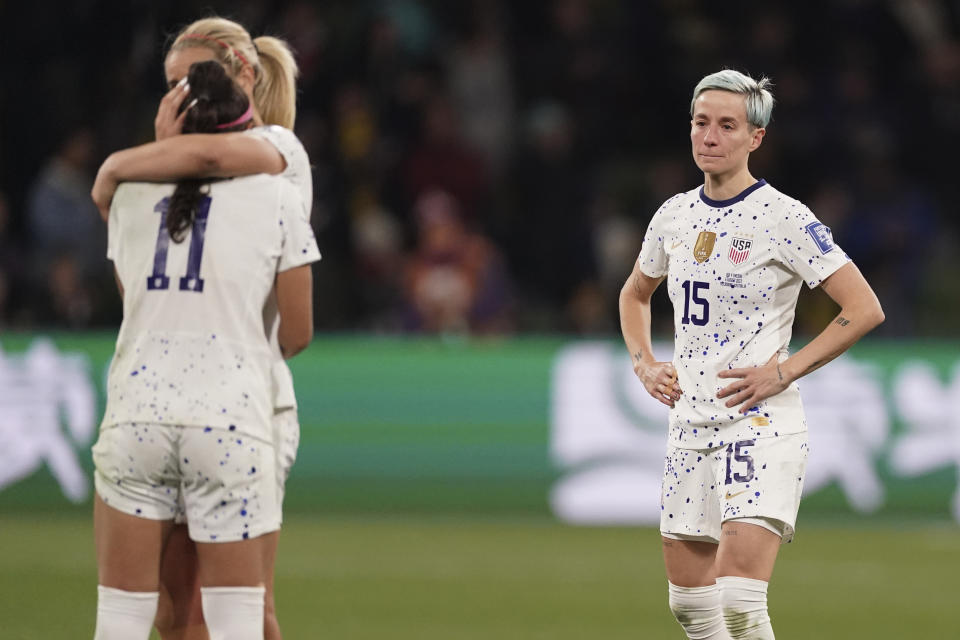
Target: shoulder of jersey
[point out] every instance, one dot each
(678, 200)
(133, 190)
(254, 180)
(769, 202)
(276, 130)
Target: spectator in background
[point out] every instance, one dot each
(377, 242)
(891, 226)
(443, 160)
(479, 76)
(576, 63)
(552, 247)
(376, 74)
(455, 278)
(66, 235)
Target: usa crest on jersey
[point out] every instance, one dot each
(739, 250)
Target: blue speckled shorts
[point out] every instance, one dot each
(286, 441)
(759, 479)
(227, 481)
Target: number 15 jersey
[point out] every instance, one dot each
(733, 270)
(192, 348)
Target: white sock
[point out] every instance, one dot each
(744, 603)
(124, 615)
(233, 613)
(697, 609)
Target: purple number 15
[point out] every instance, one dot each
(738, 451)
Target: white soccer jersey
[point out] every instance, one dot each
(297, 172)
(192, 348)
(734, 270)
(288, 145)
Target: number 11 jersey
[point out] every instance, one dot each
(192, 349)
(733, 270)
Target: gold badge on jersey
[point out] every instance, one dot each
(704, 246)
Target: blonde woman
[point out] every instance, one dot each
(265, 69)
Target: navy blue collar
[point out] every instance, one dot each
(735, 199)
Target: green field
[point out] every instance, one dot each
(448, 579)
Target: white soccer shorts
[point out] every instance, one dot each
(228, 481)
(286, 441)
(758, 480)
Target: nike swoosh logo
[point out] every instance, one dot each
(731, 496)
(676, 244)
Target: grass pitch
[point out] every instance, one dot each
(452, 579)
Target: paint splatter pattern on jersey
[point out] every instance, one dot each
(733, 313)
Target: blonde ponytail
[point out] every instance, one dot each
(275, 90)
(270, 59)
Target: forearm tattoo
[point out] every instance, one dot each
(842, 321)
(638, 357)
(779, 375)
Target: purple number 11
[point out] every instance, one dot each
(158, 280)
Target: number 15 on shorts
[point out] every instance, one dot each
(737, 461)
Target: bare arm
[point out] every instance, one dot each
(860, 312)
(116, 276)
(295, 304)
(199, 155)
(659, 378)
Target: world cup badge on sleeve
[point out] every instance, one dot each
(821, 235)
(704, 246)
(739, 250)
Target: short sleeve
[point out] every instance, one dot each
(653, 260)
(294, 155)
(806, 246)
(299, 244)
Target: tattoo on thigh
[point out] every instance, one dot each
(668, 543)
(730, 532)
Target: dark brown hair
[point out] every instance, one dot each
(214, 100)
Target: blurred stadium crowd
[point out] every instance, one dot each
(489, 167)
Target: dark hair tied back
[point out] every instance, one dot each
(215, 99)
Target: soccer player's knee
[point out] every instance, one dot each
(697, 609)
(744, 604)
